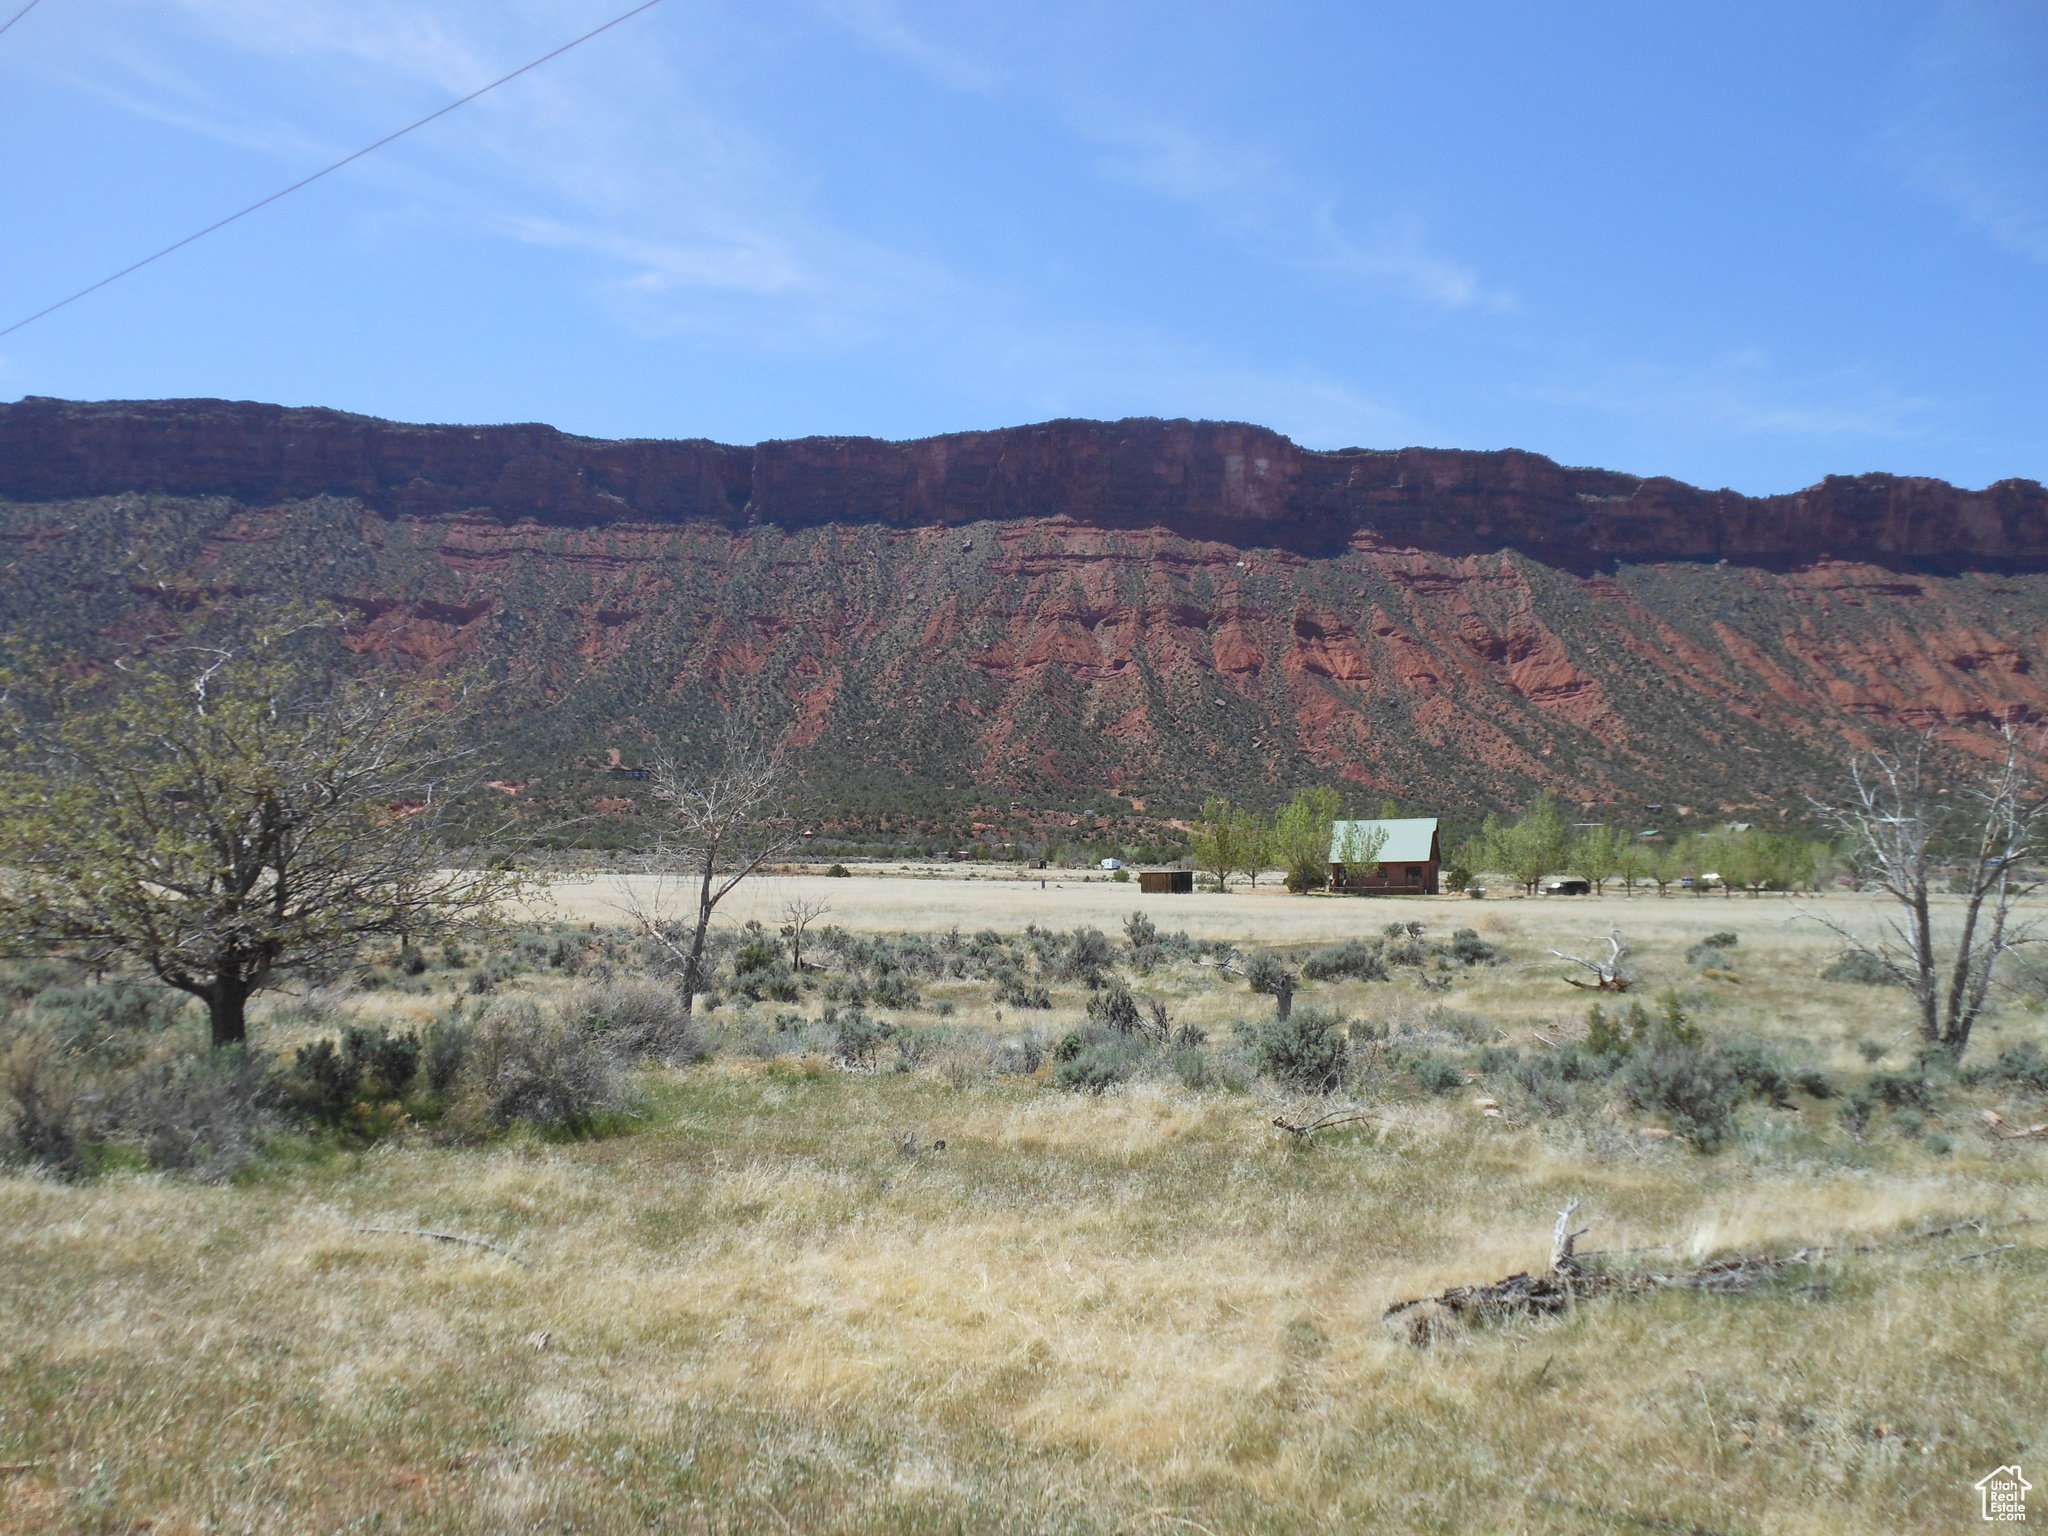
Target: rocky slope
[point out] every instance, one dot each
(1160, 609)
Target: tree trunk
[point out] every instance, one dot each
(227, 1005)
(693, 977)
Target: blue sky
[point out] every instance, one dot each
(1745, 245)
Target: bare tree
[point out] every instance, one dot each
(725, 822)
(798, 913)
(1907, 823)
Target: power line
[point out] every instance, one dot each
(32, 4)
(646, 5)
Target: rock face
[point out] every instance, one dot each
(1163, 609)
(1220, 481)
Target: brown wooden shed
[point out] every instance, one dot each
(1166, 882)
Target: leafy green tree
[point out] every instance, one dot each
(1228, 840)
(1758, 860)
(1254, 845)
(1532, 847)
(1301, 837)
(1784, 859)
(1595, 852)
(1212, 845)
(227, 817)
(1824, 863)
(1359, 849)
(1633, 862)
(1712, 857)
(1670, 863)
(1476, 854)
(1741, 861)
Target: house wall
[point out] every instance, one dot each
(1390, 879)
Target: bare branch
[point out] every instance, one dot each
(448, 1237)
(724, 823)
(1562, 1237)
(1610, 974)
(1908, 824)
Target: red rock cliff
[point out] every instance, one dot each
(1238, 484)
(1171, 609)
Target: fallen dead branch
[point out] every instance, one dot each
(1964, 1258)
(1428, 1317)
(1323, 1122)
(1425, 1319)
(448, 1237)
(1610, 974)
(2005, 1130)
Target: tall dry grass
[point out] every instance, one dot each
(1141, 1311)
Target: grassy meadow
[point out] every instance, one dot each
(754, 1295)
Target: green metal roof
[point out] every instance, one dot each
(1408, 838)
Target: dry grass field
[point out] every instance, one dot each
(747, 1307)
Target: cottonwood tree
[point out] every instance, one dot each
(1214, 843)
(225, 816)
(1633, 864)
(1673, 862)
(1530, 848)
(1908, 821)
(1596, 854)
(1301, 836)
(723, 823)
(1252, 838)
(1358, 850)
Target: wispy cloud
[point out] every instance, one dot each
(1254, 197)
(1232, 185)
(882, 26)
(1396, 255)
(1973, 131)
(624, 158)
(1245, 192)
(1743, 393)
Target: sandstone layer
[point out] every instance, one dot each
(1155, 609)
(1238, 484)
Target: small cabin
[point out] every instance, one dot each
(1166, 882)
(1409, 859)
